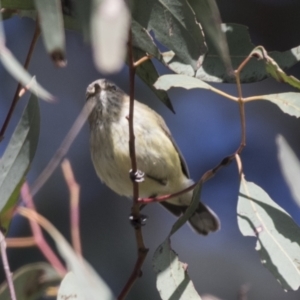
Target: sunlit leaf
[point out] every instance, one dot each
(51, 23)
(69, 288)
(172, 281)
(18, 156)
(31, 281)
(290, 167)
(110, 22)
(278, 236)
(148, 73)
(287, 102)
(165, 82)
(174, 26)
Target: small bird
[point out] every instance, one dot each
(157, 155)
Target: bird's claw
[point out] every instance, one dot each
(137, 176)
(138, 222)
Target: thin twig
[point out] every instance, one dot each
(38, 236)
(74, 189)
(135, 210)
(64, 147)
(21, 242)
(19, 86)
(142, 60)
(6, 268)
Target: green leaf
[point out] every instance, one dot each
(17, 70)
(69, 286)
(289, 102)
(290, 167)
(165, 82)
(174, 26)
(51, 23)
(18, 156)
(208, 15)
(190, 210)
(142, 39)
(273, 68)
(172, 281)
(31, 281)
(147, 72)
(110, 21)
(278, 236)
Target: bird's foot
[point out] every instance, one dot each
(138, 222)
(137, 176)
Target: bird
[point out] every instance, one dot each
(158, 157)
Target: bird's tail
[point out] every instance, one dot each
(203, 221)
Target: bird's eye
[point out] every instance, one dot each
(113, 87)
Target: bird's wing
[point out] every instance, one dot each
(166, 130)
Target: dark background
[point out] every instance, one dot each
(206, 128)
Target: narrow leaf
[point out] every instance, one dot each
(174, 26)
(190, 210)
(18, 155)
(289, 102)
(17, 71)
(52, 26)
(278, 236)
(208, 15)
(172, 281)
(31, 281)
(110, 23)
(290, 167)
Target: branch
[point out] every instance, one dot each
(74, 189)
(19, 86)
(135, 210)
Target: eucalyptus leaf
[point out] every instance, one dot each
(289, 102)
(208, 15)
(19, 154)
(190, 210)
(165, 82)
(290, 167)
(31, 281)
(52, 27)
(172, 281)
(278, 236)
(18, 4)
(173, 24)
(17, 71)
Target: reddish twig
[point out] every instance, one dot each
(6, 268)
(74, 189)
(19, 86)
(38, 236)
(21, 242)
